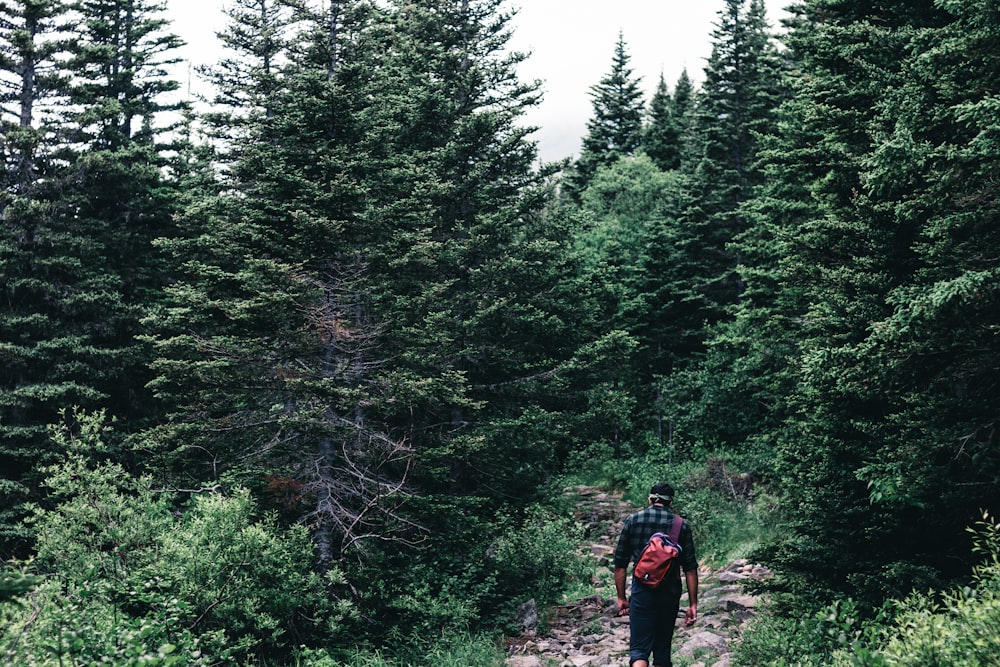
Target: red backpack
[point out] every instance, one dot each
(658, 556)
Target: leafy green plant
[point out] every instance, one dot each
(958, 629)
(951, 629)
(450, 650)
(128, 581)
(80, 624)
(539, 557)
(806, 641)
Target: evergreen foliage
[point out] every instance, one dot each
(735, 107)
(668, 121)
(86, 194)
(343, 322)
(834, 287)
(690, 279)
(615, 129)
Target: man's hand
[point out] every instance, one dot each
(692, 614)
(620, 589)
(692, 585)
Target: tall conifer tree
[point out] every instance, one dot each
(693, 254)
(736, 104)
(930, 360)
(365, 291)
(473, 308)
(668, 119)
(79, 265)
(264, 346)
(820, 262)
(615, 128)
(31, 250)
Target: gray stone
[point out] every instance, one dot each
(524, 661)
(702, 641)
(737, 602)
(527, 615)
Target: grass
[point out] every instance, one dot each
(455, 651)
(726, 528)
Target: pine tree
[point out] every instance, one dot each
(481, 286)
(115, 134)
(343, 318)
(264, 348)
(31, 38)
(691, 268)
(658, 139)
(247, 77)
(615, 129)
(78, 264)
(820, 263)
(935, 462)
(30, 249)
(736, 104)
(666, 126)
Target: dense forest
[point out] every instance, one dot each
(297, 376)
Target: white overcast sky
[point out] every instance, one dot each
(571, 44)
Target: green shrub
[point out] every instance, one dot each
(453, 650)
(59, 624)
(539, 557)
(958, 629)
(472, 581)
(810, 640)
(129, 582)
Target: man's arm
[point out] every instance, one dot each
(620, 575)
(692, 584)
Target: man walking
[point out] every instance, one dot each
(653, 611)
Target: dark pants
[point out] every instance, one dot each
(652, 615)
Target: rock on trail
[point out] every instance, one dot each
(589, 631)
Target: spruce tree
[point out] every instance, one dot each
(658, 139)
(247, 77)
(820, 264)
(31, 249)
(468, 302)
(115, 133)
(668, 119)
(692, 252)
(264, 347)
(935, 462)
(78, 261)
(615, 128)
(736, 105)
(361, 291)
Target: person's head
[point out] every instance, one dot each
(661, 494)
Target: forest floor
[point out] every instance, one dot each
(590, 632)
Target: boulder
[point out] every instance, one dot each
(704, 641)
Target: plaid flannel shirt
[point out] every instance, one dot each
(640, 526)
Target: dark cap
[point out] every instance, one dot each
(662, 492)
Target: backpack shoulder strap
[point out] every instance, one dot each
(675, 529)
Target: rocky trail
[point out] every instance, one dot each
(589, 631)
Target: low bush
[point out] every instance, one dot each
(959, 628)
(127, 581)
(539, 557)
(805, 640)
(452, 650)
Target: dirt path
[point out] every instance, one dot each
(589, 632)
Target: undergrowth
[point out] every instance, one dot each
(730, 519)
